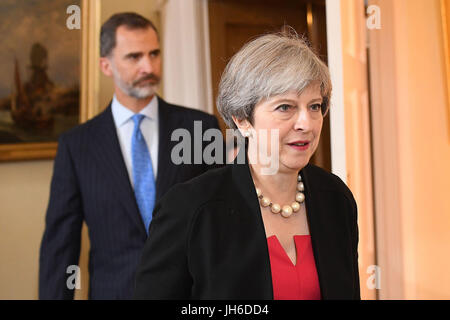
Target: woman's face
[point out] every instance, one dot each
(298, 120)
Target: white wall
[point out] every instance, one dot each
(24, 190)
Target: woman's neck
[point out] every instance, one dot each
(280, 187)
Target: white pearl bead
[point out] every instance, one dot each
(299, 178)
(295, 206)
(276, 208)
(265, 202)
(287, 211)
(300, 197)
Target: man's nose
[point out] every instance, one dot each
(146, 65)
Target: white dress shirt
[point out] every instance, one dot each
(149, 128)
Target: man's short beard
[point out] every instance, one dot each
(141, 92)
(133, 90)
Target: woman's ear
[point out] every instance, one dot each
(242, 124)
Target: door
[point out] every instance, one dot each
(232, 23)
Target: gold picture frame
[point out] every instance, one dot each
(88, 87)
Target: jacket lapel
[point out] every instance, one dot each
(329, 235)
(107, 150)
(246, 200)
(166, 169)
(313, 218)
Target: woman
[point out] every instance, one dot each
(241, 233)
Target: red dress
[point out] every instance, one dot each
(294, 282)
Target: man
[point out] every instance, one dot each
(111, 170)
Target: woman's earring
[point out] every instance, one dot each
(246, 134)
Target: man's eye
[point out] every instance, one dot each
(284, 107)
(315, 107)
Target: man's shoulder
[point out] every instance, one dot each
(87, 127)
(207, 187)
(185, 112)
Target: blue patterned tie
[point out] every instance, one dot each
(144, 182)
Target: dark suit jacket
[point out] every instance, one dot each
(207, 239)
(90, 182)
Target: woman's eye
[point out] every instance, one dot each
(316, 107)
(284, 107)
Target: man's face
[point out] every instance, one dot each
(135, 62)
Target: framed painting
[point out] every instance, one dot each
(41, 79)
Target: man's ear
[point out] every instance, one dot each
(105, 66)
(242, 124)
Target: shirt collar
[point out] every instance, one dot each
(122, 114)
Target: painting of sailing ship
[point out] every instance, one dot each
(40, 78)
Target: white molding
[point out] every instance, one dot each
(337, 111)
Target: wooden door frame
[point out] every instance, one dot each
(350, 124)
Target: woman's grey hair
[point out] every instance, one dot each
(270, 65)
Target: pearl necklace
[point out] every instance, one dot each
(287, 210)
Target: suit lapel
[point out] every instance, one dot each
(166, 168)
(329, 236)
(313, 218)
(107, 150)
(244, 192)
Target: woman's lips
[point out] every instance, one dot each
(299, 145)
